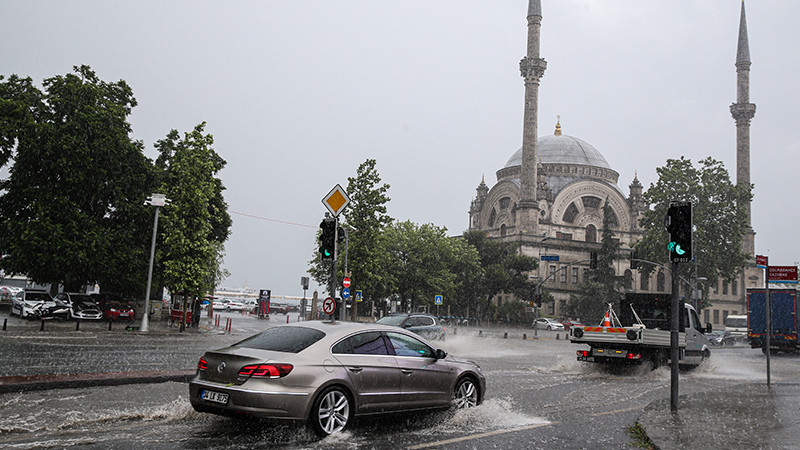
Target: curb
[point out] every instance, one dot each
(23, 383)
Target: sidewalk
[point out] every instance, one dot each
(749, 416)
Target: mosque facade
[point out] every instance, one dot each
(549, 196)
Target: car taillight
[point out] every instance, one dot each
(266, 370)
(202, 364)
(583, 352)
(633, 356)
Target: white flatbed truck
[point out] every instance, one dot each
(641, 333)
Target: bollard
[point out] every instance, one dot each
(558, 336)
(480, 333)
(77, 325)
(41, 328)
(5, 322)
(505, 335)
(455, 331)
(524, 337)
(109, 324)
(287, 318)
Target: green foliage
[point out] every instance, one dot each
(604, 286)
(196, 222)
(366, 219)
(638, 433)
(504, 269)
(420, 263)
(719, 221)
(71, 210)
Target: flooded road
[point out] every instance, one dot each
(538, 396)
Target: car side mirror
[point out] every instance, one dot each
(440, 354)
(708, 327)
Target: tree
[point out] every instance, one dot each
(366, 219)
(71, 210)
(504, 269)
(196, 222)
(604, 286)
(423, 262)
(719, 220)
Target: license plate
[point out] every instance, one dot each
(212, 396)
(586, 358)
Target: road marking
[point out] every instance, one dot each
(480, 436)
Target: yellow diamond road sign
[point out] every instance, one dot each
(336, 200)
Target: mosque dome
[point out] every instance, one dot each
(563, 149)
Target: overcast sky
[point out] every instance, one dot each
(298, 93)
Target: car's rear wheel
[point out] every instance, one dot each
(465, 394)
(331, 412)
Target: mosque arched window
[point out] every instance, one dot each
(570, 214)
(492, 217)
(591, 233)
(645, 283)
(504, 202)
(503, 230)
(628, 279)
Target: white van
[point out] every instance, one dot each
(737, 325)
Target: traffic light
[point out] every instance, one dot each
(538, 300)
(634, 260)
(679, 224)
(593, 260)
(327, 239)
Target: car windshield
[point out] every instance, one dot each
(283, 339)
(391, 320)
(37, 296)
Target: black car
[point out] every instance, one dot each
(425, 325)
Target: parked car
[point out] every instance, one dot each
(425, 325)
(570, 323)
(82, 306)
(228, 305)
(546, 323)
(25, 301)
(721, 337)
(326, 373)
(114, 306)
(115, 310)
(53, 309)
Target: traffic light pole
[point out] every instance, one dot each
(332, 288)
(673, 339)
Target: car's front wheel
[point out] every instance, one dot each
(465, 394)
(331, 412)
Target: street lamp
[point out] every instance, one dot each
(156, 200)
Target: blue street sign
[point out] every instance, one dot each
(358, 295)
(346, 293)
(549, 257)
(438, 299)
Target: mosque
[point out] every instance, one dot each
(550, 194)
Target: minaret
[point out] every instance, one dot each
(743, 111)
(532, 69)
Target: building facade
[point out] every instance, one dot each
(549, 196)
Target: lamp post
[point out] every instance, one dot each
(156, 200)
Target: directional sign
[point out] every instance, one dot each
(336, 200)
(328, 306)
(359, 295)
(438, 299)
(782, 274)
(346, 293)
(761, 261)
(346, 282)
(549, 257)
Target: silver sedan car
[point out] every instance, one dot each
(328, 372)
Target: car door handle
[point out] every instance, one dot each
(355, 369)
(406, 371)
